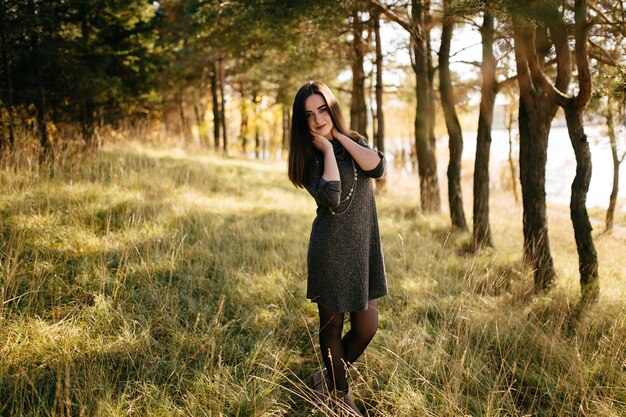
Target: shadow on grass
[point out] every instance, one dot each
(211, 295)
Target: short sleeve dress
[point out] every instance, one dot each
(345, 258)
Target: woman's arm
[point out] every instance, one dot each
(331, 171)
(368, 159)
(325, 187)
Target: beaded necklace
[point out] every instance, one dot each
(355, 178)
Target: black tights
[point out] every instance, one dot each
(339, 352)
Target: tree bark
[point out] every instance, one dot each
(536, 112)
(509, 128)
(481, 229)
(455, 194)
(424, 114)
(379, 139)
(573, 108)
(216, 108)
(184, 129)
(286, 126)
(358, 108)
(243, 130)
(616, 163)
(380, 114)
(587, 256)
(425, 149)
(257, 126)
(222, 82)
(199, 123)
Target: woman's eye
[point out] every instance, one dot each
(307, 115)
(323, 110)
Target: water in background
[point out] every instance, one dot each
(560, 168)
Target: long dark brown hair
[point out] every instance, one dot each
(301, 149)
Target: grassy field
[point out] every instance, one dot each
(146, 280)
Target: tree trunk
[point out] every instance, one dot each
(425, 150)
(379, 139)
(257, 126)
(222, 104)
(509, 127)
(199, 123)
(587, 256)
(286, 126)
(8, 81)
(184, 130)
(481, 229)
(216, 108)
(616, 163)
(87, 122)
(534, 131)
(455, 193)
(87, 108)
(243, 129)
(573, 107)
(536, 111)
(358, 108)
(42, 124)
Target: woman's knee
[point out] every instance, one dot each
(331, 324)
(367, 330)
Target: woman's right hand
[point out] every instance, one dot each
(321, 143)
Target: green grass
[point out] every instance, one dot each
(146, 280)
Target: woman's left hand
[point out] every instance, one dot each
(338, 135)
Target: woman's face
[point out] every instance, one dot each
(317, 115)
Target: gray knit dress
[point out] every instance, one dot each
(345, 258)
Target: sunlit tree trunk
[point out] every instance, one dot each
(221, 86)
(184, 124)
(257, 125)
(286, 126)
(216, 108)
(455, 195)
(587, 255)
(425, 149)
(573, 108)
(536, 112)
(358, 108)
(617, 160)
(509, 128)
(424, 110)
(243, 129)
(379, 139)
(481, 229)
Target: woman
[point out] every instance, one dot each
(346, 272)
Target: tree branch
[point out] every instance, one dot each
(537, 75)
(523, 76)
(601, 55)
(582, 60)
(505, 83)
(405, 24)
(474, 63)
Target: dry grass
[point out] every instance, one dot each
(151, 280)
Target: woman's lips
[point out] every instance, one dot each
(320, 127)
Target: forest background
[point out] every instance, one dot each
(152, 253)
